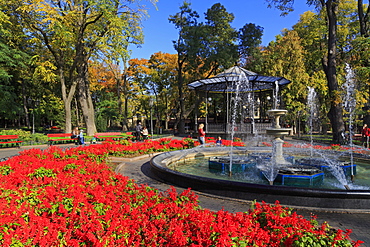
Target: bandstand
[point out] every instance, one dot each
(238, 96)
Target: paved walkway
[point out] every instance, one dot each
(139, 170)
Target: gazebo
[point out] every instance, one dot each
(249, 93)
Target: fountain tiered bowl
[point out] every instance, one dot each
(277, 131)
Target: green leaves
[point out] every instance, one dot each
(42, 172)
(5, 170)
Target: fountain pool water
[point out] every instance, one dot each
(193, 171)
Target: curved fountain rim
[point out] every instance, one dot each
(277, 110)
(174, 177)
(337, 191)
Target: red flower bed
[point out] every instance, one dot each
(336, 147)
(236, 142)
(71, 198)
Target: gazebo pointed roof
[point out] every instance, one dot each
(225, 81)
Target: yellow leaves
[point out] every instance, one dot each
(44, 71)
(336, 97)
(4, 19)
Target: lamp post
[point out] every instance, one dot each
(151, 102)
(208, 101)
(299, 123)
(33, 104)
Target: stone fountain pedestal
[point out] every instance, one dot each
(278, 132)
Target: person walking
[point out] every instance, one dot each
(138, 130)
(201, 134)
(365, 133)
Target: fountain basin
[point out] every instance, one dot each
(299, 176)
(323, 166)
(277, 112)
(278, 132)
(339, 199)
(222, 164)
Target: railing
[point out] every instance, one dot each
(260, 128)
(218, 128)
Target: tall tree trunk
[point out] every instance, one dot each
(68, 116)
(181, 120)
(85, 99)
(77, 112)
(125, 95)
(67, 99)
(336, 112)
(25, 108)
(363, 17)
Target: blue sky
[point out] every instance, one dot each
(159, 33)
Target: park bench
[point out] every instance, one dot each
(9, 140)
(130, 135)
(109, 136)
(60, 138)
(357, 137)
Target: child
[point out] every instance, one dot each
(81, 139)
(93, 140)
(219, 141)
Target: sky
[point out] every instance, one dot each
(159, 32)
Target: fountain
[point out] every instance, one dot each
(277, 131)
(280, 169)
(267, 174)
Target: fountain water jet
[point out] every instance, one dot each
(242, 80)
(349, 106)
(312, 105)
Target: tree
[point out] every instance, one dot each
(163, 84)
(103, 85)
(250, 38)
(364, 18)
(285, 58)
(203, 49)
(186, 22)
(329, 62)
(12, 61)
(360, 54)
(221, 50)
(16, 68)
(311, 29)
(74, 32)
(138, 73)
